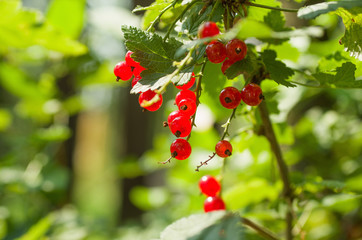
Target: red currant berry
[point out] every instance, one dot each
(208, 29)
(180, 149)
(252, 94)
(213, 204)
(135, 80)
(187, 85)
(223, 149)
(147, 96)
(226, 64)
(230, 97)
(216, 52)
(187, 106)
(123, 71)
(180, 126)
(129, 60)
(236, 50)
(184, 94)
(209, 186)
(174, 115)
(138, 69)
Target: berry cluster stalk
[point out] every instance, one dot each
(283, 168)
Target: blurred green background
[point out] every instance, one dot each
(79, 158)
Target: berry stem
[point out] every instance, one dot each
(259, 229)
(179, 17)
(283, 168)
(160, 15)
(272, 8)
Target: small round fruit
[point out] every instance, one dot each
(122, 71)
(129, 60)
(187, 106)
(187, 85)
(216, 52)
(147, 96)
(230, 97)
(180, 126)
(208, 29)
(226, 64)
(236, 50)
(252, 94)
(209, 186)
(184, 94)
(213, 204)
(223, 149)
(180, 149)
(174, 115)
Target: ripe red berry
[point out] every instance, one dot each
(252, 94)
(236, 50)
(180, 126)
(147, 96)
(208, 29)
(135, 80)
(129, 60)
(122, 71)
(223, 149)
(138, 69)
(216, 52)
(174, 115)
(187, 85)
(184, 94)
(180, 149)
(230, 97)
(226, 64)
(187, 106)
(209, 186)
(213, 204)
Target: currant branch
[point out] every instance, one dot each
(260, 230)
(272, 8)
(160, 15)
(225, 133)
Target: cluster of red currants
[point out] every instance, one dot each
(125, 70)
(211, 188)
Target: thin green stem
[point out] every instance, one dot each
(272, 8)
(178, 18)
(260, 230)
(160, 15)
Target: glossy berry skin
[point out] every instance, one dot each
(184, 94)
(230, 97)
(129, 60)
(180, 126)
(213, 204)
(187, 106)
(226, 64)
(236, 50)
(174, 115)
(216, 52)
(252, 94)
(208, 29)
(135, 80)
(138, 69)
(122, 71)
(223, 149)
(209, 186)
(147, 96)
(180, 149)
(187, 85)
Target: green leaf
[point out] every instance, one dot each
(315, 10)
(343, 203)
(158, 57)
(72, 24)
(279, 72)
(352, 39)
(53, 133)
(208, 226)
(21, 28)
(5, 119)
(341, 77)
(276, 21)
(39, 230)
(247, 67)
